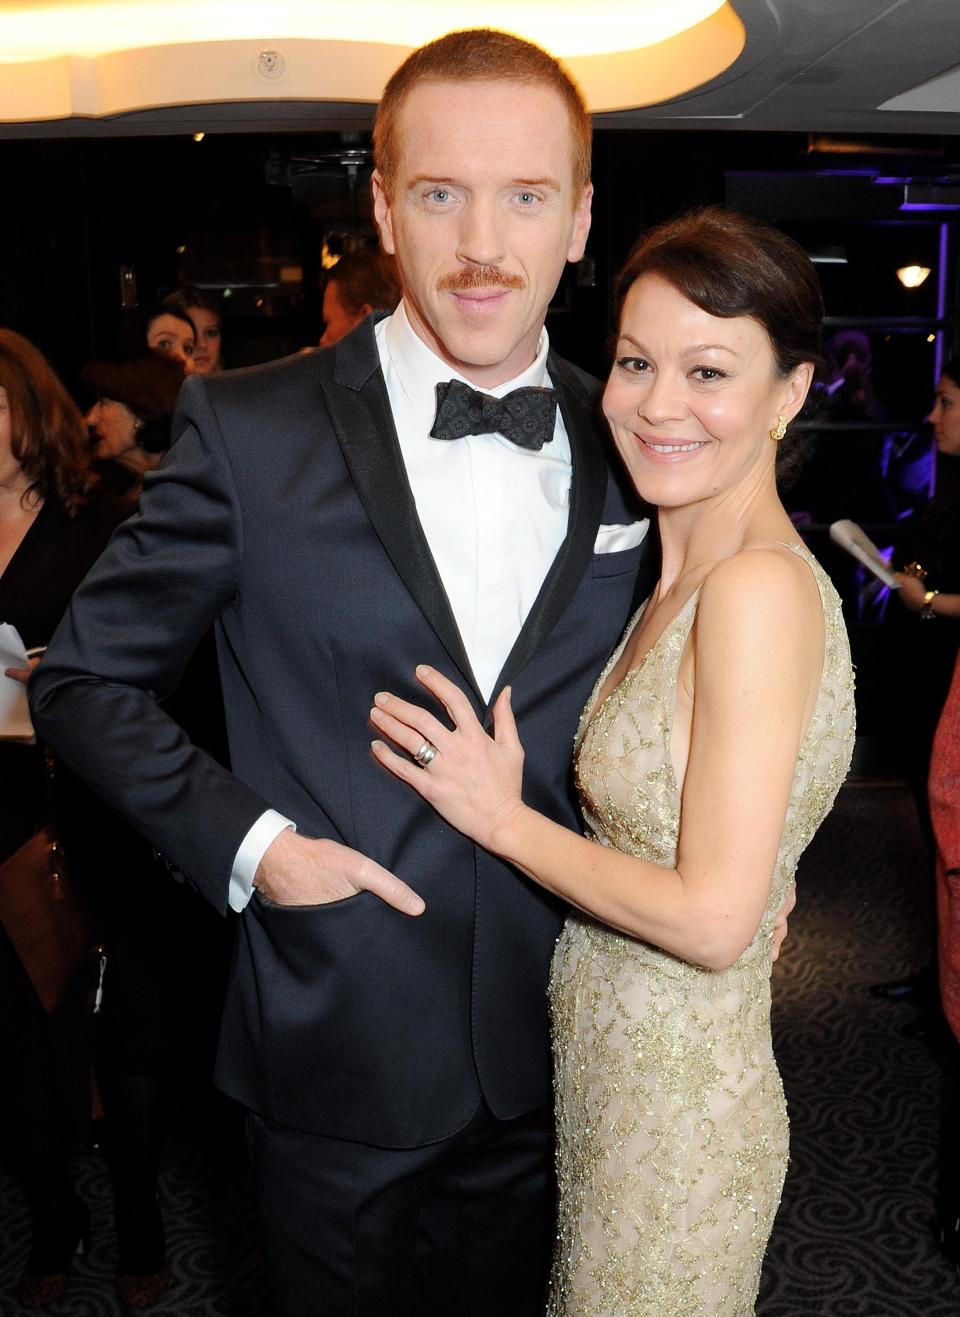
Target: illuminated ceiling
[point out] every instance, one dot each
(64, 58)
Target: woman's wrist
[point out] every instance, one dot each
(944, 604)
(507, 834)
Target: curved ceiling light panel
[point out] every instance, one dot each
(62, 58)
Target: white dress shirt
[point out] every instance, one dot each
(494, 516)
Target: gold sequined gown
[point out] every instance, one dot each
(671, 1123)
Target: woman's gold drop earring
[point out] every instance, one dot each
(779, 430)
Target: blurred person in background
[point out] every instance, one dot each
(360, 282)
(166, 949)
(168, 331)
(923, 631)
(932, 541)
(945, 813)
(927, 626)
(203, 310)
(53, 526)
(843, 473)
(130, 420)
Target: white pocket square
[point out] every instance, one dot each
(614, 539)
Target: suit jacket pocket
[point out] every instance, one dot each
(283, 908)
(616, 564)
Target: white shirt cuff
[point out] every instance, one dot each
(250, 853)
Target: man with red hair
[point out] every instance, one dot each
(436, 490)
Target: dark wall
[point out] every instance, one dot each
(249, 215)
(45, 275)
(75, 213)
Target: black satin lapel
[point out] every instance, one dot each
(588, 489)
(357, 401)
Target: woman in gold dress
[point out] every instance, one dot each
(713, 746)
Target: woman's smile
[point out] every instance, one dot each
(670, 450)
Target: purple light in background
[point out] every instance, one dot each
(941, 303)
(942, 257)
(811, 173)
(928, 185)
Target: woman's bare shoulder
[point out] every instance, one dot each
(767, 593)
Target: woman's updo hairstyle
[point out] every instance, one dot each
(732, 265)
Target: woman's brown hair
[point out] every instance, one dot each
(148, 384)
(731, 265)
(48, 436)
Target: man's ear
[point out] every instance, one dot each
(381, 213)
(581, 225)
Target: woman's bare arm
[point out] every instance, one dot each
(758, 651)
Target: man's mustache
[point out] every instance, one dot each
(473, 277)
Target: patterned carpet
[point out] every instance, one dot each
(211, 1233)
(853, 1236)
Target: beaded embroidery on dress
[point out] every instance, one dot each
(671, 1123)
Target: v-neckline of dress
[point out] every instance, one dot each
(597, 706)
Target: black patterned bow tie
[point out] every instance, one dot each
(526, 416)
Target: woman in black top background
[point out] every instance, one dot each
(167, 950)
(925, 623)
(54, 523)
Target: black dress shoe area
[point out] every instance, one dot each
(948, 1237)
(59, 1235)
(923, 1028)
(136, 1293)
(142, 1272)
(909, 988)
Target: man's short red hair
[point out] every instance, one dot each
(480, 55)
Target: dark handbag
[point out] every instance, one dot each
(43, 920)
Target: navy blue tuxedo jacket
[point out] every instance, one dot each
(284, 514)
